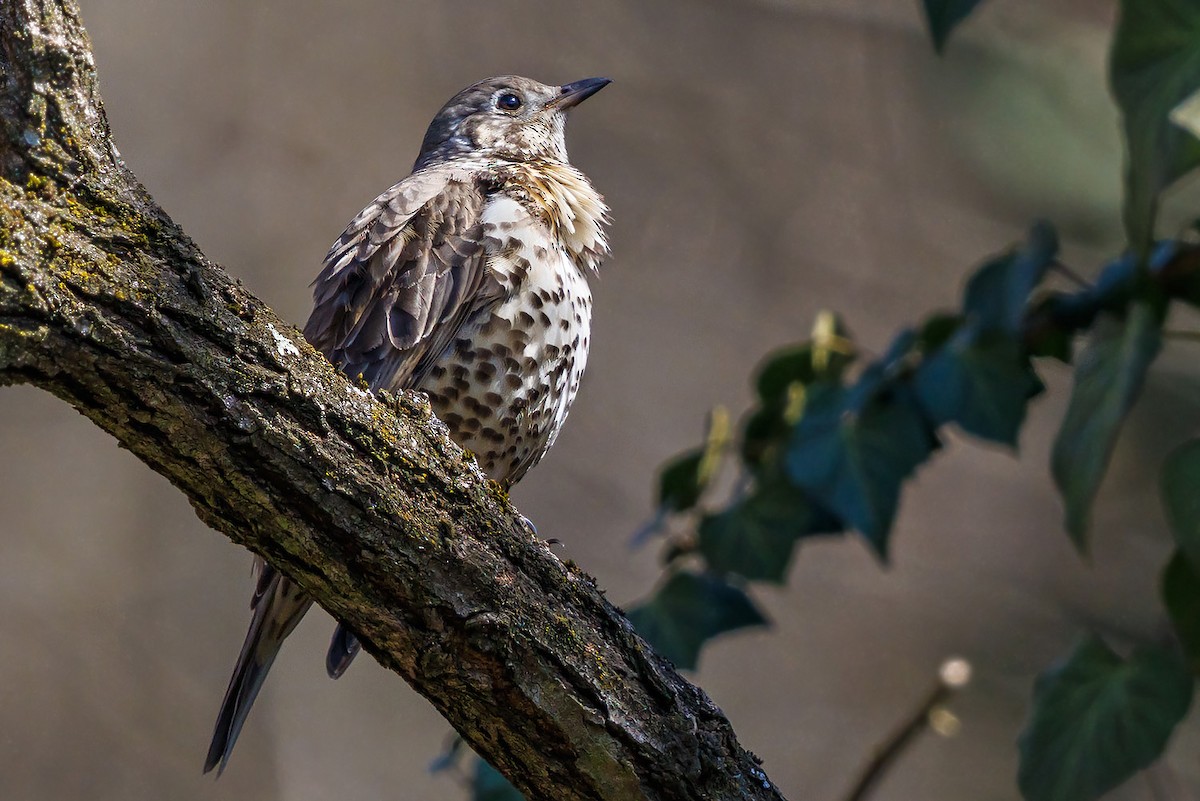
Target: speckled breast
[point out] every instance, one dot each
(505, 386)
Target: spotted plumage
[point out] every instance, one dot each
(466, 280)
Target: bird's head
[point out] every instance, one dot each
(507, 118)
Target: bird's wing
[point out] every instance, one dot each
(404, 277)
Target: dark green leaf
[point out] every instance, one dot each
(1154, 68)
(783, 369)
(982, 382)
(997, 295)
(1049, 342)
(944, 15)
(1052, 324)
(683, 480)
(690, 609)
(881, 377)
(781, 382)
(679, 482)
(755, 537)
(853, 449)
(818, 360)
(765, 428)
(936, 330)
(1097, 719)
(1181, 595)
(1065, 313)
(1108, 377)
(1181, 497)
(897, 354)
(489, 785)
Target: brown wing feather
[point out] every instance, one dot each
(403, 279)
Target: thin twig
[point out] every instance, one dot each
(953, 676)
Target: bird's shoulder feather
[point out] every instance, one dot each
(404, 277)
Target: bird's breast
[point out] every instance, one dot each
(504, 387)
(567, 203)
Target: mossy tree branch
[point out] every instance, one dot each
(366, 503)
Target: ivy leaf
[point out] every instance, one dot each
(781, 382)
(824, 358)
(489, 785)
(894, 359)
(755, 537)
(853, 449)
(1108, 377)
(1154, 70)
(1181, 596)
(764, 429)
(1098, 718)
(937, 330)
(1059, 316)
(681, 481)
(782, 369)
(690, 609)
(1181, 497)
(997, 295)
(684, 479)
(982, 382)
(943, 16)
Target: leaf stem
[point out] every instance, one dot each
(1070, 274)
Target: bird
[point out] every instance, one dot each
(468, 281)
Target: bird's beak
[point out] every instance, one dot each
(572, 94)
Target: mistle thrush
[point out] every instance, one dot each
(466, 280)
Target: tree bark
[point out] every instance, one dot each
(364, 502)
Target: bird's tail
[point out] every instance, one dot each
(278, 605)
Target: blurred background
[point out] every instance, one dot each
(764, 159)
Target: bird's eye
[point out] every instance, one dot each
(508, 102)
